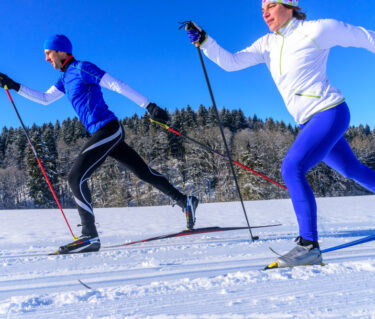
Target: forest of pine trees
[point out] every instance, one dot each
(259, 144)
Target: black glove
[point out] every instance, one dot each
(157, 113)
(196, 34)
(5, 80)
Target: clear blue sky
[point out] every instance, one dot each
(138, 41)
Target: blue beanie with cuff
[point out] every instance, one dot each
(58, 42)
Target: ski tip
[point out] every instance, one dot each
(275, 265)
(272, 266)
(54, 253)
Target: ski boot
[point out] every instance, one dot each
(306, 252)
(189, 210)
(84, 244)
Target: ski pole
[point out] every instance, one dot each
(38, 160)
(253, 238)
(214, 152)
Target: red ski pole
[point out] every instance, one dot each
(39, 162)
(215, 152)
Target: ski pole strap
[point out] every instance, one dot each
(165, 126)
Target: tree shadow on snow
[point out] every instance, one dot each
(348, 233)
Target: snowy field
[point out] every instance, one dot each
(207, 276)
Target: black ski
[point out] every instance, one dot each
(196, 231)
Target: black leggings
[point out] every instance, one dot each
(109, 141)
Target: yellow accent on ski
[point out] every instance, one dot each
(273, 265)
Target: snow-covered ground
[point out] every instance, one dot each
(209, 276)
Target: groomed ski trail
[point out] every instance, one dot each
(210, 276)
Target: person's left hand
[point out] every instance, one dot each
(157, 113)
(196, 34)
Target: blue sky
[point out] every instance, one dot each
(139, 42)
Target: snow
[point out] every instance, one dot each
(210, 276)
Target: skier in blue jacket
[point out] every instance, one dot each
(81, 82)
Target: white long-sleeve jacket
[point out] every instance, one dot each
(296, 56)
(107, 81)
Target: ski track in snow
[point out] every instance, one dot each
(217, 275)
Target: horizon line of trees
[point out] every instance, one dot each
(259, 144)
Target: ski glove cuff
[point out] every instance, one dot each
(196, 34)
(6, 81)
(157, 113)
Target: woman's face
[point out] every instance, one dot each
(276, 15)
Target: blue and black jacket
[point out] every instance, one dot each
(80, 82)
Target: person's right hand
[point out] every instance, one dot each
(196, 34)
(6, 81)
(157, 113)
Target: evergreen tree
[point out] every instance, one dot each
(282, 127)
(226, 118)
(57, 130)
(20, 144)
(3, 146)
(67, 131)
(270, 124)
(37, 185)
(202, 116)
(239, 120)
(177, 121)
(189, 117)
(211, 117)
(9, 158)
(79, 130)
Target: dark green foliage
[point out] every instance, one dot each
(260, 145)
(43, 140)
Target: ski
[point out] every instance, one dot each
(351, 243)
(196, 231)
(274, 265)
(188, 233)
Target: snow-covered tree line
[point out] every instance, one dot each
(258, 144)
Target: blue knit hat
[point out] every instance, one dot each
(58, 42)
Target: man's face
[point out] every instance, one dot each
(55, 58)
(276, 15)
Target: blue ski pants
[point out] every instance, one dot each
(320, 139)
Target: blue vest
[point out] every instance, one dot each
(80, 83)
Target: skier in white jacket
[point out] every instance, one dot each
(296, 53)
